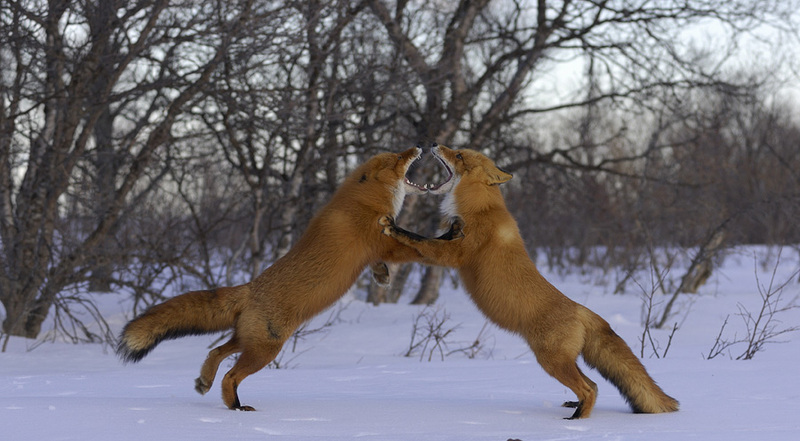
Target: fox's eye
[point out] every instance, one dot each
(458, 156)
(399, 157)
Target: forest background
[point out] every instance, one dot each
(185, 144)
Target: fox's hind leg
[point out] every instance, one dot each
(209, 370)
(562, 365)
(380, 273)
(576, 404)
(570, 375)
(253, 359)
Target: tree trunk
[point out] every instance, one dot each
(104, 158)
(106, 171)
(700, 270)
(429, 287)
(14, 323)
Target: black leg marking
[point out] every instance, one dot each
(408, 234)
(236, 404)
(578, 411)
(273, 333)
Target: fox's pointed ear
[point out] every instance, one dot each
(498, 176)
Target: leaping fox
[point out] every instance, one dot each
(341, 240)
(504, 283)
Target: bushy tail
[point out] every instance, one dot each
(610, 355)
(193, 313)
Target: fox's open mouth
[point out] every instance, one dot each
(413, 186)
(448, 173)
(414, 173)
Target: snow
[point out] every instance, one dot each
(351, 380)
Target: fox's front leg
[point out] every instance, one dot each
(444, 250)
(391, 229)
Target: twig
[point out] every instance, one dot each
(761, 328)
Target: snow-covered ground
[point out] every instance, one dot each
(351, 380)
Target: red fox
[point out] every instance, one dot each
(504, 283)
(341, 240)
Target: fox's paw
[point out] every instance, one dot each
(455, 231)
(457, 227)
(387, 222)
(380, 273)
(579, 410)
(201, 386)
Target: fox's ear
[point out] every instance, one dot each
(498, 176)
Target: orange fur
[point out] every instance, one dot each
(341, 240)
(504, 283)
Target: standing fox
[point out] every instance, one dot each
(505, 284)
(341, 240)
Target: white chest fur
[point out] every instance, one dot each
(399, 192)
(448, 206)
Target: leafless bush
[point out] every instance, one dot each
(762, 327)
(71, 321)
(661, 262)
(478, 346)
(76, 319)
(698, 271)
(649, 304)
(431, 333)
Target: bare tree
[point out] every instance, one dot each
(278, 113)
(452, 85)
(71, 67)
(477, 66)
